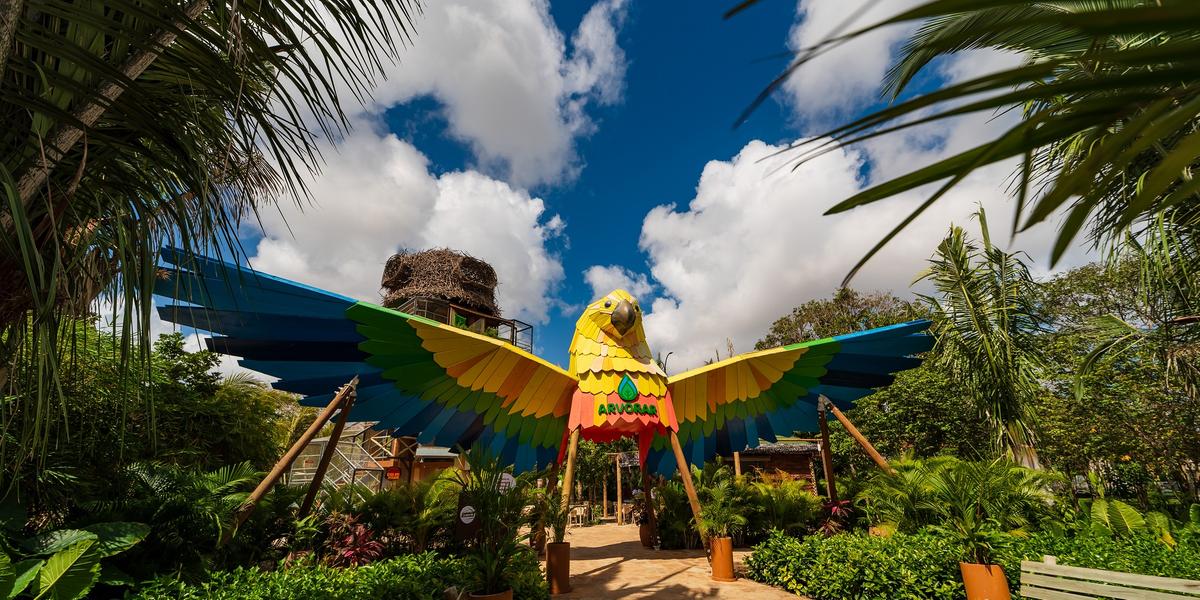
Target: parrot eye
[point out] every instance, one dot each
(608, 304)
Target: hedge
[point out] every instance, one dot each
(416, 577)
(925, 566)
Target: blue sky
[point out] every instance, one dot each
(582, 146)
(689, 74)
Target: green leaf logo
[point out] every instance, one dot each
(627, 390)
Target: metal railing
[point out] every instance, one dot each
(351, 463)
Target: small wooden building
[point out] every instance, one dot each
(793, 458)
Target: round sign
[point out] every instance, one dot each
(507, 481)
(467, 514)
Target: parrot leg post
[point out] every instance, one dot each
(288, 458)
(648, 506)
(569, 474)
(686, 474)
(826, 452)
(859, 437)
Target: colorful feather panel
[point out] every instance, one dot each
(770, 398)
(443, 385)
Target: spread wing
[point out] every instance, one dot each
(728, 406)
(443, 385)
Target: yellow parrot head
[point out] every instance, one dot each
(618, 315)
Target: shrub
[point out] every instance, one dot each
(416, 577)
(853, 565)
(924, 565)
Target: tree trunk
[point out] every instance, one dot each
(66, 134)
(10, 15)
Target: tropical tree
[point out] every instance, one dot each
(1109, 94)
(847, 311)
(128, 125)
(984, 321)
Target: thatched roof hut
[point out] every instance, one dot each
(440, 273)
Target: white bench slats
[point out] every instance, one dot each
(1046, 580)
(1094, 589)
(1044, 594)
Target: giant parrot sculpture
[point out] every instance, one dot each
(455, 388)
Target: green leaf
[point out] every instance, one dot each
(1194, 514)
(110, 575)
(114, 538)
(1122, 518)
(70, 573)
(8, 576)
(54, 541)
(14, 578)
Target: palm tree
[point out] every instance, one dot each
(984, 319)
(1166, 324)
(1110, 97)
(130, 124)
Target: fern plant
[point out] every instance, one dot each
(722, 515)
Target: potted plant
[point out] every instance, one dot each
(970, 497)
(500, 500)
(558, 551)
(982, 579)
(641, 515)
(719, 518)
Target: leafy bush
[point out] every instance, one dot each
(931, 491)
(924, 565)
(787, 505)
(65, 563)
(417, 577)
(853, 565)
(414, 517)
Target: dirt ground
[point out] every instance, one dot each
(608, 561)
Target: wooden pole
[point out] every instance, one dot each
(826, 455)
(569, 474)
(859, 437)
(604, 498)
(289, 457)
(327, 456)
(620, 513)
(737, 464)
(686, 474)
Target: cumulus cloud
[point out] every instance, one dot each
(604, 279)
(378, 196)
(846, 78)
(509, 87)
(753, 242)
(516, 93)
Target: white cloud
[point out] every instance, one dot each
(377, 196)
(846, 78)
(516, 94)
(604, 279)
(754, 243)
(507, 83)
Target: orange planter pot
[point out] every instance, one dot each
(646, 535)
(984, 582)
(558, 567)
(722, 559)
(505, 595)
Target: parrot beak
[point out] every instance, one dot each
(623, 317)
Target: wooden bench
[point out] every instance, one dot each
(1049, 580)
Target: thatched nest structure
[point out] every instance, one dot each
(440, 273)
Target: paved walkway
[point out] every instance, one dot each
(608, 561)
